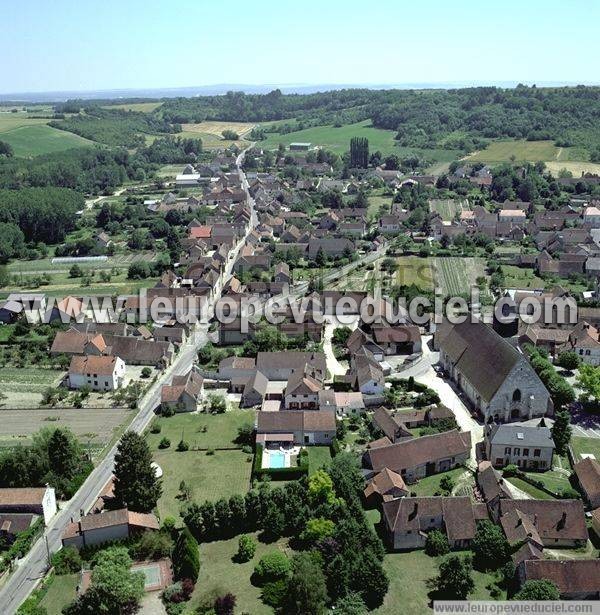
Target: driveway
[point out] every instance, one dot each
(423, 372)
(331, 323)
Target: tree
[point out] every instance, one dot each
(113, 589)
(359, 152)
(317, 529)
(66, 561)
(64, 453)
(568, 359)
(320, 488)
(136, 485)
(455, 580)
(541, 589)
(490, 546)
(12, 241)
(271, 567)
(186, 558)
(351, 604)
(246, 548)
(307, 589)
(436, 543)
(589, 382)
(561, 431)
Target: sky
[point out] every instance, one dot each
(83, 45)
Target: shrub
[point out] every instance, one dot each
(153, 545)
(246, 548)
(274, 593)
(510, 470)
(272, 567)
(568, 493)
(146, 372)
(436, 543)
(155, 427)
(225, 605)
(183, 446)
(66, 560)
(164, 443)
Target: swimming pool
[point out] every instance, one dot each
(277, 459)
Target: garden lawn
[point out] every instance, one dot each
(408, 574)
(318, 457)
(209, 477)
(61, 592)
(534, 492)
(221, 429)
(220, 575)
(581, 445)
(516, 277)
(555, 481)
(430, 484)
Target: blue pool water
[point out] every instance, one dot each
(277, 460)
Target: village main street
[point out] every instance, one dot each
(32, 568)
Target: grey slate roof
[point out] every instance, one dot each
(515, 434)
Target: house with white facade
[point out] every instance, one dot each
(99, 373)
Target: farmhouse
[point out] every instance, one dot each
(105, 373)
(545, 523)
(407, 521)
(420, 457)
(496, 378)
(576, 579)
(588, 476)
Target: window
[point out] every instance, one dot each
(536, 452)
(542, 463)
(507, 450)
(525, 452)
(516, 452)
(587, 352)
(517, 395)
(499, 461)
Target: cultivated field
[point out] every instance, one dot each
(457, 275)
(32, 137)
(502, 151)
(23, 388)
(575, 168)
(145, 107)
(516, 277)
(338, 140)
(448, 208)
(210, 132)
(414, 270)
(94, 425)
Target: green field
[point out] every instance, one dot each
(338, 141)
(502, 151)
(555, 481)
(456, 275)
(32, 137)
(414, 270)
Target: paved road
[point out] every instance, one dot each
(34, 566)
